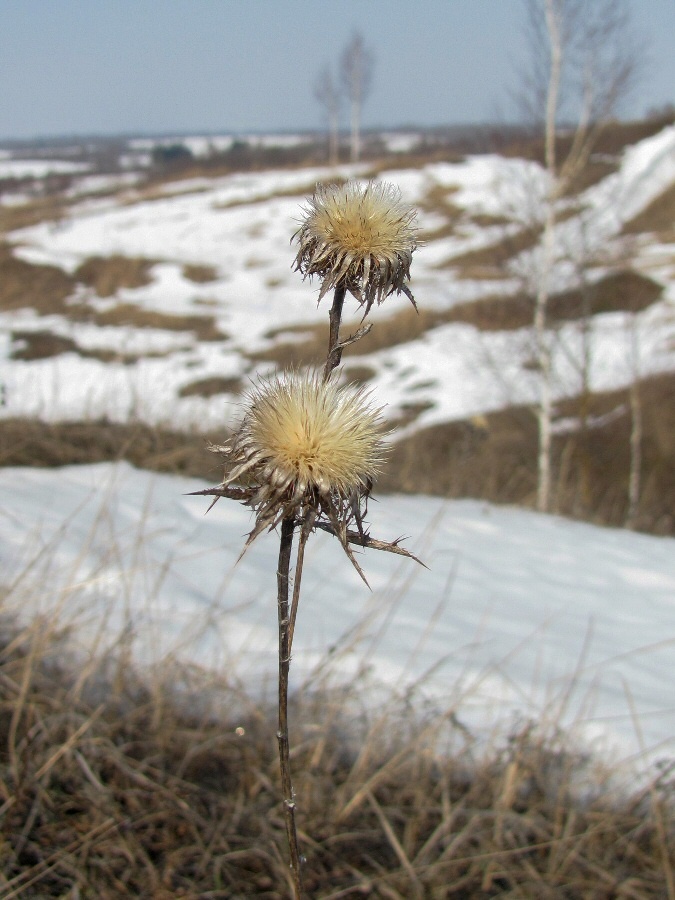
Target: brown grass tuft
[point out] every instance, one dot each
(42, 344)
(204, 327)
(26, 442)
(623, 290)
(658, 216)
(27, 286)
(108, 274)
(210, 387)
(42, 209)
(200, 274)
(113, 786)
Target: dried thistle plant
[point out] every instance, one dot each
(307, 450)
(362, 238)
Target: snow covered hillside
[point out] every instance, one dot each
(218, 295)
(519, 616)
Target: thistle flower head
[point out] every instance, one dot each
(360, 237)
(304, 445)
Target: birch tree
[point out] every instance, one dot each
(327, 94)
(356, 70)
(582, 63)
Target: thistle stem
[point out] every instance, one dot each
(335, 317)
(283, 578)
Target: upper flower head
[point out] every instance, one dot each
(360, 237)
(304, 443)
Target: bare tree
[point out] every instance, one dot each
(356, 70)
(328, 96)
(582, 63)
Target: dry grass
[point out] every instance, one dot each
(48, 290)
(204, 327)
(23, 285)
(31, 345)
(112, 786)
(622, 290)
(491, 259)
(612, 140)
(658, 216)
(494, 457)
(210, 387)
(108, 274)
(33, 443)
(200, 274)
(43, 209)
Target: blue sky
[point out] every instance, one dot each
(146, 66)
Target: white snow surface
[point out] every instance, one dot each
(518, 616)
(39, 168)
(241, 225)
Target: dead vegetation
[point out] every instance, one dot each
(210, 387)
(204, 328)
(612, 140)
(31, 345)
(109, 274)
(658, 217)
(25, 442)
(24, 285)
(493, 457)
(199, 274)
(42, 209)
(48, 290)
(491, 258)
(114, 786)
(624, 290)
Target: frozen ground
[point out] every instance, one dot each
(518, 616)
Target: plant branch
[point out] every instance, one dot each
(283, 578)
(335, 317)
(305, 532)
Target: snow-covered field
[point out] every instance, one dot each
(519, 616)
(241, 226)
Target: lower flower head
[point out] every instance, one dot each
(306, 443)
(359, 237)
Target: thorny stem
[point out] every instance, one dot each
(283, 577)
(305, 531)
(335, 317)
